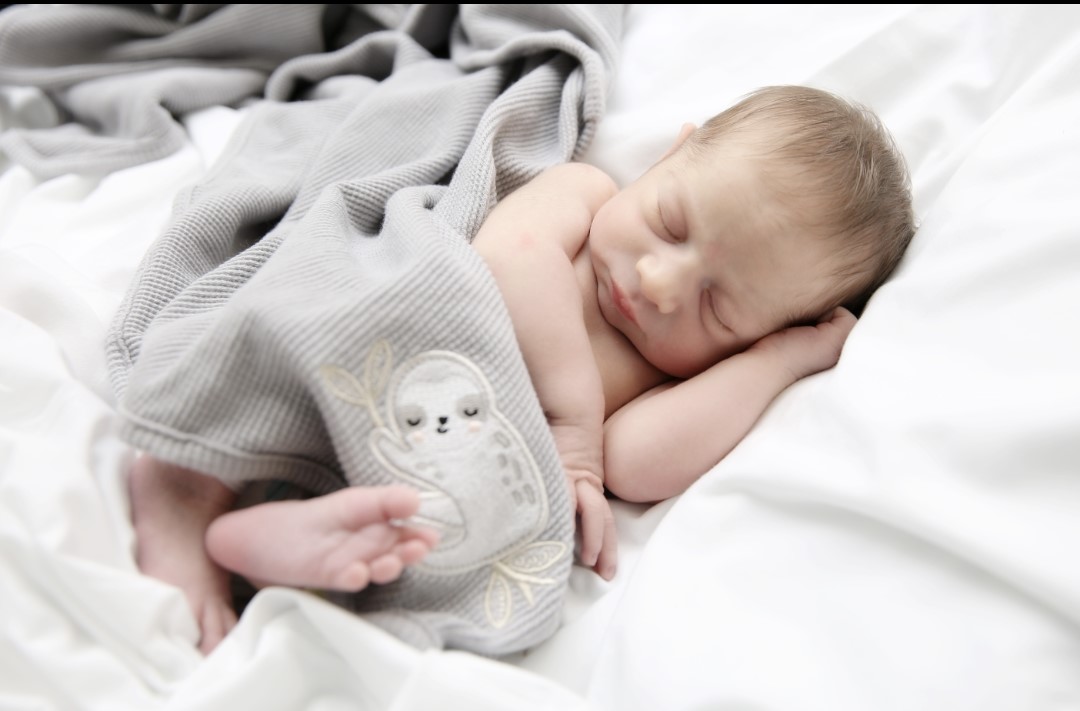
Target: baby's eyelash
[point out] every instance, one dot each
(707, 296)
(674, 236)
(668, 232)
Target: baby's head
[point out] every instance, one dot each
(837, 168)
(773, 213)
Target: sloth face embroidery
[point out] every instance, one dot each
(444, 434)
(440, 412)
(480, 486)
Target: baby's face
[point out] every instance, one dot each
(694, 262)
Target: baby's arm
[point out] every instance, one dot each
(529, 242)
(661, 442)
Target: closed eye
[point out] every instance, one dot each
(666, 232)
(709, 306)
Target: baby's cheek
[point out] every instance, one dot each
(474, 427)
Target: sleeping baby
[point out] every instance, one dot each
(656, 323)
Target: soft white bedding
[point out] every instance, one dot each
(897, 533)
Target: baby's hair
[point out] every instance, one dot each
(846, 163)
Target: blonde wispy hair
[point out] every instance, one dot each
(842, 169)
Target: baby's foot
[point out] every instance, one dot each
(171, 510)
(340, 541)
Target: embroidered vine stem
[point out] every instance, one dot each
(377, 368)
(522, 579)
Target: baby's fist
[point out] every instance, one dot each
(805, 350)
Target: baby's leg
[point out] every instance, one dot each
(171, 508)
(341, 541)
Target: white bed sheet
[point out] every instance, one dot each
(897, 533)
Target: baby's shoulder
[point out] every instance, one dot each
(581, 179)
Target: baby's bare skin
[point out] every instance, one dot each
(187, 536)
(610, 400)
(674, 311)
(660, 340)
(341, 541)
(171, 510)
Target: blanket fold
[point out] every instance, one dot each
(313, 311)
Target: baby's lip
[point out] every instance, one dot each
(623, 303)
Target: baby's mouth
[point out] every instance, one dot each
(441, 430)
(622, 303)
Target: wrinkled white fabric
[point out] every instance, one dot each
(897, 533)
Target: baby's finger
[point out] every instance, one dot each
(841, 317)
(609, 550)
(591, 505)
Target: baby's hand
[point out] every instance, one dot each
(583, 463)
(597, 522)
(805, 350)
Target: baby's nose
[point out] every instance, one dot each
(661, 281)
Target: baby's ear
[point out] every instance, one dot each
(684, 133)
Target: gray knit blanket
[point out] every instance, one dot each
(314, 312)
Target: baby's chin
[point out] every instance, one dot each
(674, 364)
(677, 370)
(664, 359)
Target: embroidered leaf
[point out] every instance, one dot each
(498, 603)
(535, 557)
(377, 368)
(344, 385)
(526, 590)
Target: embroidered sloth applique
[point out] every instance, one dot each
(480, 486)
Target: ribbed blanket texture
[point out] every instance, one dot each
(313, 312)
